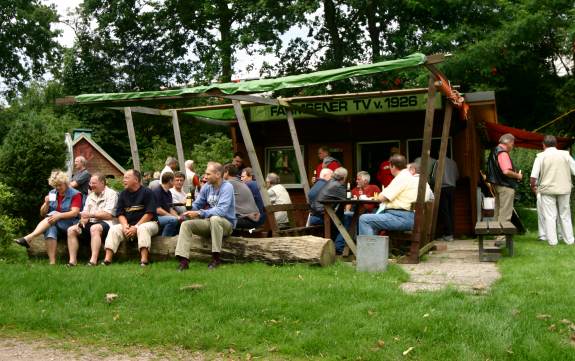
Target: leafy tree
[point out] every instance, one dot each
(215, 147)
(28, 46)
(9, 225)
(29, 152)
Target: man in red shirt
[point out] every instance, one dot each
(326, 161)
(363, 188)
(384, 175)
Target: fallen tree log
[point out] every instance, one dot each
(276, 250)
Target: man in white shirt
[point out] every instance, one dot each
(178, 194)
(96, 219)
(551, 178)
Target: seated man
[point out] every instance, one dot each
(397, 198)
(247, 213)
(333, 190)
(96, 220)
(178, 194)
(324, 177)
(278, 195)
(248, 178)
(136, 211)
(168, 218)
(215, 222)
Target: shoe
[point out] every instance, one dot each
(90, 264)
(106, 263)
(22, 241)
(214, 264)
(144, 264)
(184, 265)
(70, 265)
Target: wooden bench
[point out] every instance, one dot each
(494, 228)
(400, 239)
(297, 214)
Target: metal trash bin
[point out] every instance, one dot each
(372, 253)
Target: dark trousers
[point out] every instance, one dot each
(445, 211)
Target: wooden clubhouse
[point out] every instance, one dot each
(359, 128)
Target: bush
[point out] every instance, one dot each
(215, 147)
(9, 226)
(31, 149)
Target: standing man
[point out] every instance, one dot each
(384, 175)
(216, 221)
(326, 161)
(192, 180)
(551, 178)
(168, 220)
(504, 177)
(171, 166)
(81, 179)
(136, 211)
(447, 200)
(238, 162)
(95, 219)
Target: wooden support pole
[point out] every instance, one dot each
(251, 151)
(440, 169)
(132, 137)
(416, 238)
(178, 138)
(298, 155)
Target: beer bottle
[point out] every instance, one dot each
(189, 201)
(348, 193)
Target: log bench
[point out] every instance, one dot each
(274, 250)
(494, 228)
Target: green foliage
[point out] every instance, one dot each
(9, 225)
(28, 45)
(155, 155)
(523, 159)
(116, 184)
(31, 149)
(215, 147)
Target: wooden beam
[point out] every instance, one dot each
(67, 100)
(251, 98)
(132, 137)
(251, 151)
(417, 233)
(440, 169)
(144, 110)
(435, 58)
(298, 155)
(178, 138)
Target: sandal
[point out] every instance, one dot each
(106, 263)
(90, 264)
(144, 264)
(22, 241)
(70, 264)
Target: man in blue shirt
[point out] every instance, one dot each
(212, 216)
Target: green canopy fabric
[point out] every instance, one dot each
(264, 85)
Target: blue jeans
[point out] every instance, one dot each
(389, 220)
(169, 225)
(339, 241)
(315, 220)
(59, 228)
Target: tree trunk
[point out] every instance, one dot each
(373, 31)
(278, 250)
(330, 13)
(225, 43)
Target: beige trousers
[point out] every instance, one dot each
(145, 233)
(504, 197)
(214, 227)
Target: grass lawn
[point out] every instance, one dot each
(299, 312)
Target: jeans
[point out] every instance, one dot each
(389, 220)
(339, 241)
(169, 225)
(316, 220)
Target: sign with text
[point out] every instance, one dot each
(387, 104)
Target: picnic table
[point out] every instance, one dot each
(331, 216)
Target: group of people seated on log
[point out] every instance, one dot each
(229, 199)
(396, 198)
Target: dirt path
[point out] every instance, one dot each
(457, 266)
(16, 349)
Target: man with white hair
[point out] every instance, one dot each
(333, 190)
(171, 166)
(278, 195)
(81, 178)
(504, 176)
(551, 181)
(324, 177)
(192, 180)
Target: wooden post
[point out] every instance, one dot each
(426, 147)
(439, 170)
(178, 138)
(251, 150)
(298, 155)
(132, 137)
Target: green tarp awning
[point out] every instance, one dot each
(264, 85)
